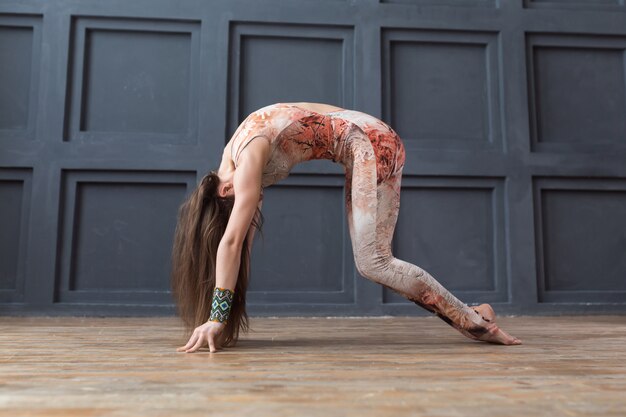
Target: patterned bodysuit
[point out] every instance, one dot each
(297, 135)
(372, 155)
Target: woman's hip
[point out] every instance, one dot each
(362, 135)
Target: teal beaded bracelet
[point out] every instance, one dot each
(221, 305)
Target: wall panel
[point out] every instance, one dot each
(116, 235)
(20, 51)
(612, 5)
(317, 269)
(443, 88)
(15, 190)
(513, 116)
(466, 217)
(133, 80)
(581, 239)
(575, 106)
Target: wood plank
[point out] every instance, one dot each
(380, 366)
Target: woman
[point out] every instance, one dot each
(217, 223)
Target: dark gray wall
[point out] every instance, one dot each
(513, 115)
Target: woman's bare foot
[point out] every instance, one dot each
(490, 332)
(481, 327)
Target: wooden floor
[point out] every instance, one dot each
(391, 366)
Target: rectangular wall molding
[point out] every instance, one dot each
(577, 92)
(442, 88)
(512, 114)
(581, 239)
(455, 229)
(15, 209)
(133, 80)
(20, 55)
(116, 235)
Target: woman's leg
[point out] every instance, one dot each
(372, 212)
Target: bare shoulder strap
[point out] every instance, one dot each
(246, 143)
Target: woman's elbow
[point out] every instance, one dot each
(231, 243)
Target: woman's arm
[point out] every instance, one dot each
(247, 186)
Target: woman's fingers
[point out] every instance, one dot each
(190, 343)
(208, 333)
(212, 342)
(198, 344)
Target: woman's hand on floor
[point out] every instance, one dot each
(207, 333)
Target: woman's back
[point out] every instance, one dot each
(297, 133)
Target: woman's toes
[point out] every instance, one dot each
(513, 342)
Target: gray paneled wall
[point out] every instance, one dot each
(513, 114)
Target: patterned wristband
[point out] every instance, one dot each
(222, 302)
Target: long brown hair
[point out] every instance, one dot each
(202, 220)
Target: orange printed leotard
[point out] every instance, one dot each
(296, 135)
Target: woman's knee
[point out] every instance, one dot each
(388, 270)
(373, 266)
